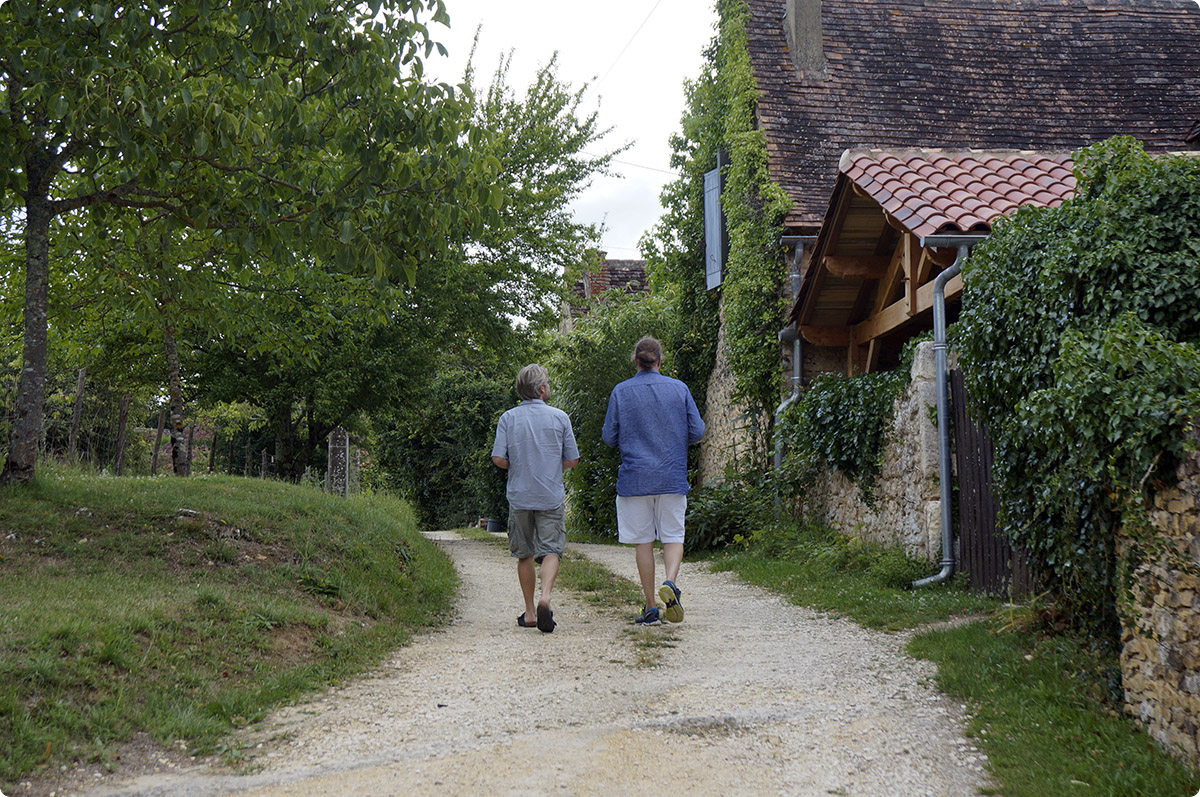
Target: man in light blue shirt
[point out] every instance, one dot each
(535, 444)
(651, 420)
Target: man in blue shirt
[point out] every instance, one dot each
(651, 420)
(535, 444)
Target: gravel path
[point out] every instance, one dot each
(755, 697)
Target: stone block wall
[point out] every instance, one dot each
(1160, 639)
(727, 425)
(907, 507)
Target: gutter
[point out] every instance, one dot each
(791, 334)
(963, 243)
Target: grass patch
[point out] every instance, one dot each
(185, 608)
(865, 582)
(1046, 710)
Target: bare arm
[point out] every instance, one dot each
(570, 463)
(502, 462)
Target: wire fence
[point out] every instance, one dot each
(111, 432)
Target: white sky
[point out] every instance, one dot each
(634, 53)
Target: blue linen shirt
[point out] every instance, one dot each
(536, 439)
(651, 420)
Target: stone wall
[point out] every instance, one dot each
(907, 509)
(726, 425)
(1160, 650)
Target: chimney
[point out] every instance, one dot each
(802, 23)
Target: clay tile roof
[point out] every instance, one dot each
(1041, 75)
(978, 186)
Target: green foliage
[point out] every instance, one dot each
(439, 452)
(119, 618)
(1046, 711)
(720, 116)
(594, 357)
(734, 508)
(754, 209)
(1091, 398)
(845, 423)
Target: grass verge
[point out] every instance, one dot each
(1044, 707)
(185, 608)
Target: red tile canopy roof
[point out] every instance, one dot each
(935, 191)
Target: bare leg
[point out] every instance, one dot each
(527, 575)
(644, 556)
(672, 559)
(549, 573)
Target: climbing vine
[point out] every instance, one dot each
(843, 422)
(721, 117)
(1079, 340)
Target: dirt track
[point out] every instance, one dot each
(755, 697)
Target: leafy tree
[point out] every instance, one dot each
(285, 127)
(1080, 343)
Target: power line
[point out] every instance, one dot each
(631, 38)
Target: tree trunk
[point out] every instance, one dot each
(179, 454)
(21, 463)
(212, 450)
(122, 417)
(73, 440)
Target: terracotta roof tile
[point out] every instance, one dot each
(976, 186)
(1042, 75)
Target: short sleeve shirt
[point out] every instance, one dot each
(535, 438)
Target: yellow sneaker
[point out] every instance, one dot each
(672, 609)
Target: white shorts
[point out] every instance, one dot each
(644, 518)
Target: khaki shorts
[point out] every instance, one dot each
(536, 532)
(644, 518)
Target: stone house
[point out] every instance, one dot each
(1043, 76)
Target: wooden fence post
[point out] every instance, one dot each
(122, 417)
(162, 420)
(73, 440)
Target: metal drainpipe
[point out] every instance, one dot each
(940, 347)
(791, 334)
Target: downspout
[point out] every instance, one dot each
(791, 334)
(940, 347)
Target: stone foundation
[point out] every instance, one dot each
(1160, 634)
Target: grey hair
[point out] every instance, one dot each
(647, 354)
(529, 379)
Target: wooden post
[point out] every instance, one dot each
(122, 417)
(262, 473)
(246, 465)
(162, 421)
(73, 440)
(212, 451)
(191, 434)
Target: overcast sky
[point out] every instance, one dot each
(634, 53)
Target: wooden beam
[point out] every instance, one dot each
(869, 267)
(894, 276)
(897, 313)
(912, 266)
(827, 336)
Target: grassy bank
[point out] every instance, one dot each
(185, 608)
(1045, 707)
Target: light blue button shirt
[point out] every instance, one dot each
(535, 438)
(652, 419)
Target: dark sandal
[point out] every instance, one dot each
(521, 621)
(545, 620)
